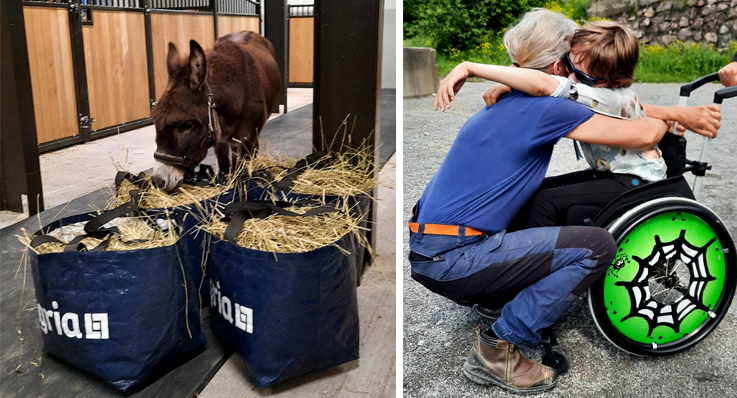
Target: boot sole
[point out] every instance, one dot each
(475, 371)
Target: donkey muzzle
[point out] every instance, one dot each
(167, 177)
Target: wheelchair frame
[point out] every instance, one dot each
(633, 208)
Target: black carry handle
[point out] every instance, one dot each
(139, 180)
(727, 92)
(205, 176)
(318, 160)
(687, 88)
(93, 229)
(237, 213)
(75, 245)
(94, 225)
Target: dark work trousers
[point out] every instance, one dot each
(542, 270)
(571, 198)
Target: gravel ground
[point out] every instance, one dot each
(438, 334)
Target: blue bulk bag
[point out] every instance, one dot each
(120, 315)
(189, 217)
(281, 191)
(285, 314)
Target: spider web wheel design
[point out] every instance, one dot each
(656, 313)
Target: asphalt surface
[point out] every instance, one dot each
(438, 334)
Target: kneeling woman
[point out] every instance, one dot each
(459, 247)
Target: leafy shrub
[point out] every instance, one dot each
(462, 24)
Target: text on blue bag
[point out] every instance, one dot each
(243, 315)
(95, 324)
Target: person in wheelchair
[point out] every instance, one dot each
(459, 246)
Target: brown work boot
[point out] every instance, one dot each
(496, 361)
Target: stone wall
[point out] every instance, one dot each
(664, 22)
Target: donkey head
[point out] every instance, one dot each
(181, 118)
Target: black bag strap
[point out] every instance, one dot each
(94, 225)
(76, 243)
(237, 213)
(139, 180)
(205, 176)
(318, 160)
(93, 229)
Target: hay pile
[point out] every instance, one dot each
(155, 198)
(135, 234)
(347, 174)
(284, 234)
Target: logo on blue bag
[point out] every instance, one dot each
(95, 324)
(243, 318)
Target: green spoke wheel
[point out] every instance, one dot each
(672, 280)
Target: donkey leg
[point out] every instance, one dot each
(222, 151)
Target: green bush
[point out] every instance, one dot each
(410, 13)
(462, 24)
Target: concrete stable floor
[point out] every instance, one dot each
(78, 170)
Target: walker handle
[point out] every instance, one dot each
(727, 92)
(687, 88)
(719, 96)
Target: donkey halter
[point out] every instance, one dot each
(213, 125)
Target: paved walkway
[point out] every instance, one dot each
(438, 334)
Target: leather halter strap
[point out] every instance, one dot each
(213, 126)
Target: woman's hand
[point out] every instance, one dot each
(703, 119)
(496, 92)
(450, 86)
(728, 75)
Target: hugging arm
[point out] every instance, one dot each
(626, 134)
(699, 119)
(529, 81)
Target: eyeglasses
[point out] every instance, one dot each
(582, 77)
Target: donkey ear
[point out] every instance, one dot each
(172, 60)
(197, 65)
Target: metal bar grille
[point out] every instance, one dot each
(47, 1)
(302, 11)
(239, 7)
(196, 5)
(113, 3)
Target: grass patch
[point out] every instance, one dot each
(680, 62)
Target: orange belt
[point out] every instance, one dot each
(440, 229)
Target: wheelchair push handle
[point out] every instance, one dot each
(722, 94)
(687, 88)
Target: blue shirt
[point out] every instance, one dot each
(498, 161)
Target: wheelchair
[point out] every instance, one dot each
(675, 271)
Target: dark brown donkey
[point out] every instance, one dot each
(221, 99)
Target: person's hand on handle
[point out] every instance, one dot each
(728, 75)
(450, 86)
(704, 120)
(496, 92)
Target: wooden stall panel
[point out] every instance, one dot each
(301, 49)
(52, 76)
(178, 29)
(230, 24)
(117, 73)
